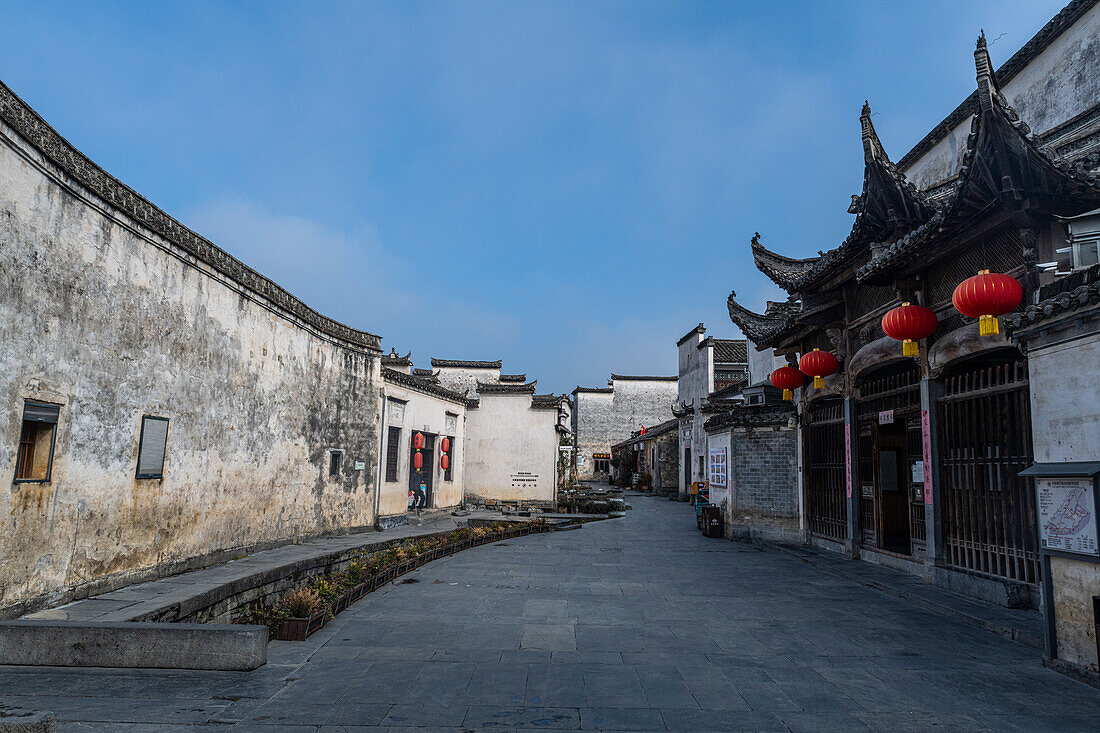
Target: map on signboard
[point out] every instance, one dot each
(1067, 515)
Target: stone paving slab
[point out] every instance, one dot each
(1022, 625)
(778, 645)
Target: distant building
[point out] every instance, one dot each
(654, 453)
(706, 365)
(604, 416)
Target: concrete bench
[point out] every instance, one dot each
(132, 644)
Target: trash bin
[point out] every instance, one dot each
(714, 523)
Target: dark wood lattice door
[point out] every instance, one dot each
(985, 441)
(824, 475)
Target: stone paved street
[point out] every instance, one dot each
(630, 624)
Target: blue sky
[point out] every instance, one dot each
(567, 186)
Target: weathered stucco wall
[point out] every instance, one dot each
(1056, 86)
(464, 379)
(603, 419)
(110, 321)
(511, 450)
(1065, 424)
(430, 414)
(592, 415)
(696, 379)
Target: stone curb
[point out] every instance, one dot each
(1023, 636)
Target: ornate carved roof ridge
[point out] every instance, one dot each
(484, 388)
(469, 364)
(782, 270)
(757, 326)
(1072, 292)
(59, 151)
(393, 359)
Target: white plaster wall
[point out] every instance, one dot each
(592, 420)
(762, 364)
(425, 413)
(112, 322)
(606, 419)
(1058, 85)
(464, 379)
(505, 438)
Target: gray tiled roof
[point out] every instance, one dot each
(730, 351)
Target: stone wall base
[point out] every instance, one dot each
(501, 505)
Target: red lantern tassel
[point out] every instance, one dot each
(909, 347)
(819, 382)
(788, 394)
(988, 326)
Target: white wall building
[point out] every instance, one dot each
(603, 417)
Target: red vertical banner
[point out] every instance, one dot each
(848, 459)
(926, 435)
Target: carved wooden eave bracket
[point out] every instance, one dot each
(1003, 170)
(960, 344)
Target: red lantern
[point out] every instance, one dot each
(445, 445)
(643, 431)
(418, 441)
(986, 296)
(418, 460)
(818, 364)
(444, 461)
(787, 378)
(908, 324)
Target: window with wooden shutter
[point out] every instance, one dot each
(36, 440)
(152, 446)
(393, 447)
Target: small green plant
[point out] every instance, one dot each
(326, 591)
(355, 573)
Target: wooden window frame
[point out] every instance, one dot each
(335, 461)
(19, 456)
(393, 449)
(141, 444)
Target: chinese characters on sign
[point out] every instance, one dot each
(1067, 515)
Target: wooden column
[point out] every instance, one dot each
(930, 391)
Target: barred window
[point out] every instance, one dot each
(393, 446)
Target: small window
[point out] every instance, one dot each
(448, 474)
(334, 459)
(601, 465)
(152, 446)
(393, 446)
(36, 441)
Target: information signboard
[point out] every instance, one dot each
(719, 475)
(1067, 515)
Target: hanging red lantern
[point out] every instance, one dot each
(818, 364)
(445, 445)
(643, 431)
(787, 378)
(418, 441)
(418, 460)
(444, 461)
(908, 324)
(986, 296)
